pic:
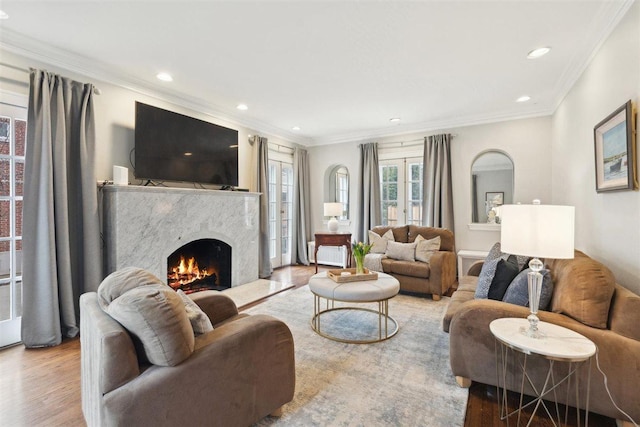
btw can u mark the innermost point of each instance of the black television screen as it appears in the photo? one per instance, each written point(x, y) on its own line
point(173, 147)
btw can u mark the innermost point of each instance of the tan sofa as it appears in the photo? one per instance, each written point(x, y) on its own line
point(435, 277)
point(585, 299)
point(237, 374)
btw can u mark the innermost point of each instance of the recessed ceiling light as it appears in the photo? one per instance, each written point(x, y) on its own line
point(537, 53)
point(523, 98)
point(165, 77)
point(296, 128)
point(242, 107)
point(188, 153)
point(4, 15)
point(394, 119)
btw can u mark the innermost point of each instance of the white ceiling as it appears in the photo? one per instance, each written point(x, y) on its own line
point(339, 70)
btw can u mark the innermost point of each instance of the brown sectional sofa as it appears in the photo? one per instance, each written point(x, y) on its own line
point(585, 299)
point(435, 277)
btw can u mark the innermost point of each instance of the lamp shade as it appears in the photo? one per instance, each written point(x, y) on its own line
point(333, 209)
point(541, 231)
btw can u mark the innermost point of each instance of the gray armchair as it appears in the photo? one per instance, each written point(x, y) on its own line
point(238, 373)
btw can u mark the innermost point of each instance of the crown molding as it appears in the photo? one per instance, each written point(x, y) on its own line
point(615, 11)
point(429, 126)
point(30, 48)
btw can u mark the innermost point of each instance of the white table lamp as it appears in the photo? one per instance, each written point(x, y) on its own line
point(539, 231)
point(333, 210)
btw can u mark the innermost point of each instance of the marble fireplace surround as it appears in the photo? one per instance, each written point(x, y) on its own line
point(142, 226)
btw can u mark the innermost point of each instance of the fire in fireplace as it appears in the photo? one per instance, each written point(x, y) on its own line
point(200, 265)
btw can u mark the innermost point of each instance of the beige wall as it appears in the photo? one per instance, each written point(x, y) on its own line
point(607, 224)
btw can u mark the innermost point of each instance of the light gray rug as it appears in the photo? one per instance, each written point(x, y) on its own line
point(404, 381)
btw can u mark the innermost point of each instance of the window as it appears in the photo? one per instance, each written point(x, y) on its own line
point(280, 207)
point(401, 191)
point(13, 132)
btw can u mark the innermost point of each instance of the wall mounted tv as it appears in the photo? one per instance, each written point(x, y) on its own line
point(173, 147)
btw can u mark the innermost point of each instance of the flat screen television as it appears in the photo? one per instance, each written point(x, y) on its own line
point(174, 147)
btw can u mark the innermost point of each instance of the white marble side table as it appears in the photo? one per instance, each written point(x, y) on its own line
point(557, 345)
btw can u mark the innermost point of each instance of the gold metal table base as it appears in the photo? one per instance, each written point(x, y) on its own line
point(382, 312)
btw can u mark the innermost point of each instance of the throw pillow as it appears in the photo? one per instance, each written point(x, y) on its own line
point(494, 252)
point(401, 251)
point(584, 288)
point(518, 291)
point(200, 322)
point(486, 277)
point(123, 280)
point(158, 319)
point(378, 242)
point(506, 271)
point(426, 248)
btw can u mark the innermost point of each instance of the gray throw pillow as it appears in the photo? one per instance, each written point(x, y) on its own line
point(518, 290)
point(401, 251)
point(486, 277)
point(158, 319)
point(200, 322)
point(123, 280)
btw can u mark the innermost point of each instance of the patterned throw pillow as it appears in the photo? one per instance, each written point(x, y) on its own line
point(200, 322)
point(426, 248)
point(488, 271)
point(518, 290)
point(401, 251)
point(380, 242)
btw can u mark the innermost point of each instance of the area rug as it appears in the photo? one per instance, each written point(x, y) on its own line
point(403, 381)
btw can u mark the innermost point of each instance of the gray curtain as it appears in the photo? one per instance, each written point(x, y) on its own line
point(261, 150)
point(369, 205)
point(61, 242)
point(301, 209)
point(437, 203)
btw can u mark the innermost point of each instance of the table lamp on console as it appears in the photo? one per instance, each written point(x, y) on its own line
point(538, 231)
point(333, 210)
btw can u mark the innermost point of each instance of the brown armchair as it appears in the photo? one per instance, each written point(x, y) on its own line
point(238, 373)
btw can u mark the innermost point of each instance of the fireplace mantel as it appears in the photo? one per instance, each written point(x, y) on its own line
point(142, 226)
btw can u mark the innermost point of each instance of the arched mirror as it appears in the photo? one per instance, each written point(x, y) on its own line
point(491, 185)
point(337, 188)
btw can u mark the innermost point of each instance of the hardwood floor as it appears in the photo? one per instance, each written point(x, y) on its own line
point(41, 387)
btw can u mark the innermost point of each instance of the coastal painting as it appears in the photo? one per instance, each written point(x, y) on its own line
point(613, 137)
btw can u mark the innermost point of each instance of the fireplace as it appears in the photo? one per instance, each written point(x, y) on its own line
point(145, 226)
point(200, 265)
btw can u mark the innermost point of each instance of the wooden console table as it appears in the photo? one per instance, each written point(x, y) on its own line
point(333, 239)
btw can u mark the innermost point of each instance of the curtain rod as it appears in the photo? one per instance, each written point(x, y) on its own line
point(411, 142)
point(24, 70)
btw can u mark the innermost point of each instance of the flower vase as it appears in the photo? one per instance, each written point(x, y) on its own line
point(359, 263)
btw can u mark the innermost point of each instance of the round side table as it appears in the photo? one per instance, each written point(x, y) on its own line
point(557, 345)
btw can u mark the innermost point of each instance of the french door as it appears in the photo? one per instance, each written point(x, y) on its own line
point(401, 191)
point(13, 134)
point(280, 211)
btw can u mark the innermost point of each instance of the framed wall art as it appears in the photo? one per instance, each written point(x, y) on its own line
point(615, 151)
point(496, 197)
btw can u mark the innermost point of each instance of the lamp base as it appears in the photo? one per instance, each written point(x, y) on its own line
point(534, 281)
point(333, 224)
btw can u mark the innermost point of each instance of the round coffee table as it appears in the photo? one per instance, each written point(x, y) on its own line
point(366, 291)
